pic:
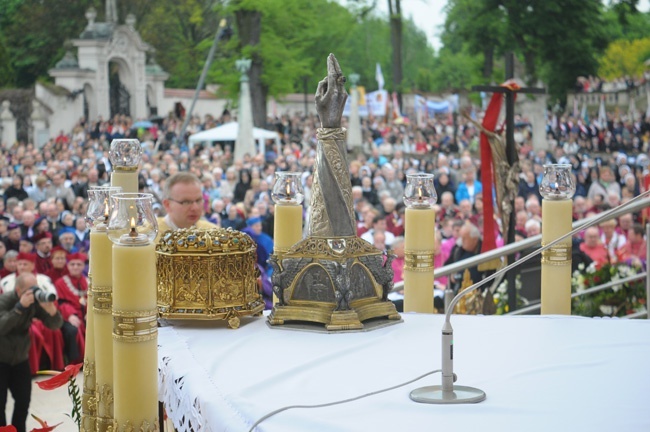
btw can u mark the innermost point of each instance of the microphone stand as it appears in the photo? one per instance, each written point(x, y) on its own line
point(448, 393)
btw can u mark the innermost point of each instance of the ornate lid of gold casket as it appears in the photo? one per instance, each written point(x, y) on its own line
point(207, 274)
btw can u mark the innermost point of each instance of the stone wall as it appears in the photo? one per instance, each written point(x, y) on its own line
point(21, 108)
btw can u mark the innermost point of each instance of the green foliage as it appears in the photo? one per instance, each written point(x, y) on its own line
point(637, 25)
point(182, 33)
point(456, 71)
point(35, 32)
point(556, 41)
point(625, 58)
point(7, 73)
point(369, 40)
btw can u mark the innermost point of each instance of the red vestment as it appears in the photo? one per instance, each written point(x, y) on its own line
point(72, 294)
point(43, 264)
point(54, 273)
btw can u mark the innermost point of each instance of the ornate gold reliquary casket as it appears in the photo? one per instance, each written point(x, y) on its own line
point(207, 274)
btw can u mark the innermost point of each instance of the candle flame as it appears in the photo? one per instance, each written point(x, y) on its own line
point(106, 208)
point(133, 232)
point(288, 189)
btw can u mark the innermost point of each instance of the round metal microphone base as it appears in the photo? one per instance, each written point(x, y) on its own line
point(435, 395)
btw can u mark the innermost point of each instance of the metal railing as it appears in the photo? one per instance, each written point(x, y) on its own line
point(636, 204)
point(592, 290)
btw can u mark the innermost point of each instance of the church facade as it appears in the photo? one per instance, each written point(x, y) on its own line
point(112, 73)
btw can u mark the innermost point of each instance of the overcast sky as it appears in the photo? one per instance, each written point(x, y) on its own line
point(429, 15)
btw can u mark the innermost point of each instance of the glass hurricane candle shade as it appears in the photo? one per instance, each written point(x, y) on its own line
point(419, 191)
point(132, 221)
point(558, 182)
point(287, 188)
point(99, 204)
point(125, 154)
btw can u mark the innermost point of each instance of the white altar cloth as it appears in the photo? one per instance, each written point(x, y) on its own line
point(539, 374)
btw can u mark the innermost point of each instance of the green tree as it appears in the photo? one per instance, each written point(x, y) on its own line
point(636, 25)
point(7, 74)
point(557, 41)
point(282, 55)
point(181, 33)
point(473, 24)
point(624, 58)
point(456, 71)
point(36, 31)
point(418, 59)
point(367, 44)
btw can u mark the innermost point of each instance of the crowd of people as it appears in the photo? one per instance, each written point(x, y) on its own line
point(45, 194)
point(593, 84)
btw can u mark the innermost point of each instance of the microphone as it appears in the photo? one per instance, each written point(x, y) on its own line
point(448, 393)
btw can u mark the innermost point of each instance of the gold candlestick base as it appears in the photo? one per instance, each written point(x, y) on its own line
point(337, 282)
point(88, 423)
point(105, 424)
point(145, 426)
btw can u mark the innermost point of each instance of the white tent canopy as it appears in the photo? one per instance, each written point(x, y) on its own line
point(228, 132)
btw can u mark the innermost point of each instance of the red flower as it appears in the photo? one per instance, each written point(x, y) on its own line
point(597, 279)
point(44, 426)
point(9, 428)
point(61, 378)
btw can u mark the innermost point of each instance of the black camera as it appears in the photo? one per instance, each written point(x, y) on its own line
point(43, 296)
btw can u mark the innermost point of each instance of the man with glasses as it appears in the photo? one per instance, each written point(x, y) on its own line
point(183, 203)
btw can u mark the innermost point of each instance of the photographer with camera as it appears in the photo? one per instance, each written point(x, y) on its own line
point(17, 309)
point(45, 341)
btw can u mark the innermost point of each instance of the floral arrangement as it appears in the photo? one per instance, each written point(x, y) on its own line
point(619, 300)
point(501, 296)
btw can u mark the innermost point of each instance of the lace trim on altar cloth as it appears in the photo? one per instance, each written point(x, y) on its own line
point(186, 388)
point(184, 412)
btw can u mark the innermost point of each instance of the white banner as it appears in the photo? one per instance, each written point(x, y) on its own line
point(375, 104)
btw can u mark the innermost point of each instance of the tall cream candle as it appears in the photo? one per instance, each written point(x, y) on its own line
point(89, 401)
point(287, 227)
point(419, 241)
point(127, 180)
point(556, 261)
point(135, 336)
point(101, 270)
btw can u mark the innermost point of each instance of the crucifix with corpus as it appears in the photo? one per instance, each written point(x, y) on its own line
point(500, 164)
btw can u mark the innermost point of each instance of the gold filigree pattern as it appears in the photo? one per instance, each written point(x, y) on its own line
point(557, 255)
point(319, 247)
point(92, 405)
point(105, 399)
point(135, 326)
point(418, 261)
point(88, 423)
point(89, 375)
point(209, 281)
point(198, 241)
point(103, 301)
point(124, 168)
point(105, 424)
point(145, 426)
